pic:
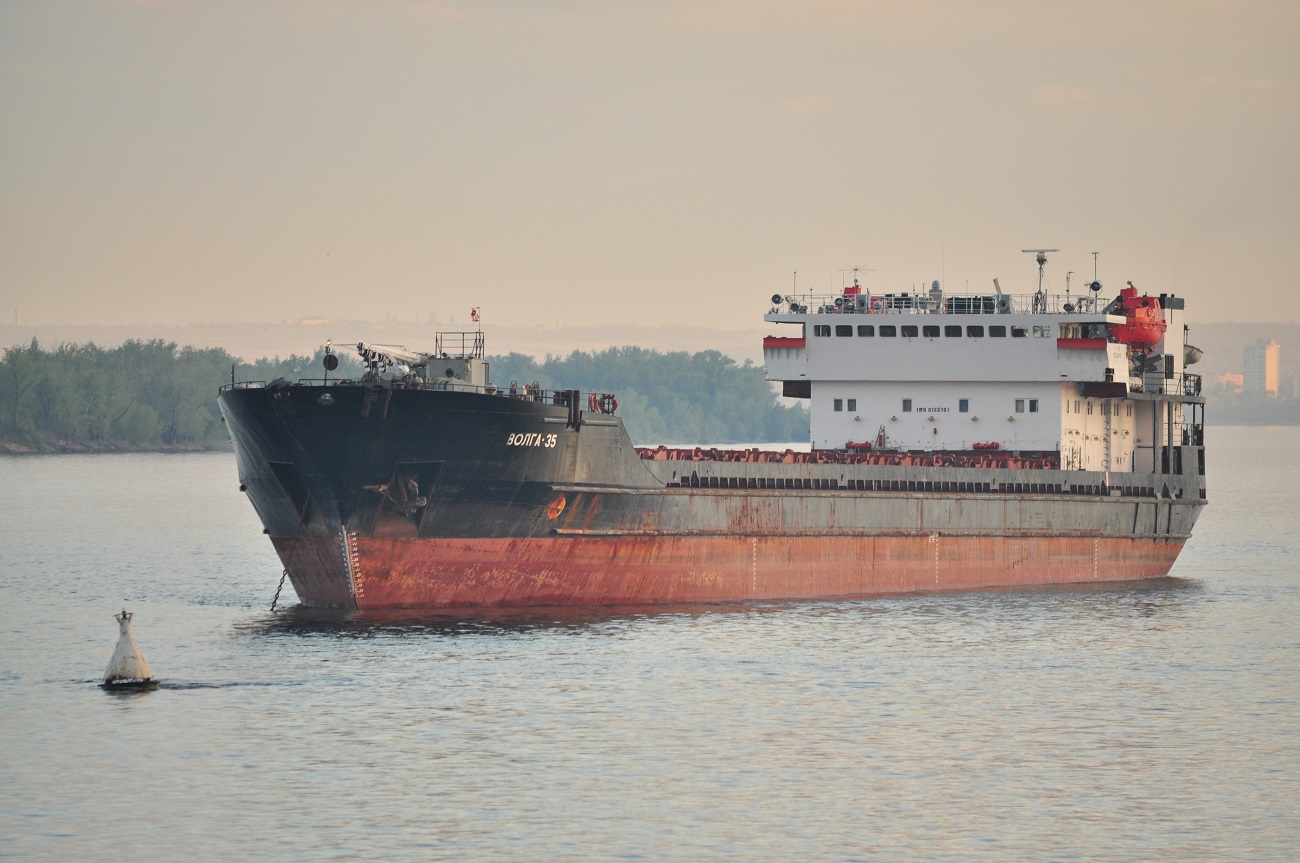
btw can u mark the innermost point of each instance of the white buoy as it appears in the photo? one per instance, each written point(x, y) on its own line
point(127, 669)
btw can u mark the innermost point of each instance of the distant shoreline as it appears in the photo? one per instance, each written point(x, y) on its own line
point(10, 448)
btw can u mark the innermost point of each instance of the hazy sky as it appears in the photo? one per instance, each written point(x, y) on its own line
point(587, 161)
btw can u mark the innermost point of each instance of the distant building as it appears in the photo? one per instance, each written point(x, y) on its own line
point(1231, 382)
point(1260, 375)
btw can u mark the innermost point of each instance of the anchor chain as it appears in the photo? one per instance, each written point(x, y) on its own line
point(283, 576)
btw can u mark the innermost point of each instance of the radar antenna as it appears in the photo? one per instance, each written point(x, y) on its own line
point(855, 270)
point(1040, 299)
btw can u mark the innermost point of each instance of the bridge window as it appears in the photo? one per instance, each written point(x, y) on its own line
point(821, 329)
point(931, 331)
point(843, 330)
point(975, 331)
point(853, 405)
point(909, 331)
point(1020, 406)
point(866, 329)
point(839, 404)
point(1033, 406)
point(1019, 332)
point(952, 331)
point(907, 406)
point(963, 406)
point(888, 331)
point(1042, 332)
point(997, 332)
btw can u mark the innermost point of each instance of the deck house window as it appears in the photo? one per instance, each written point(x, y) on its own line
point(931, 331)
point(909, 331)
point(853, 405)
point(839, 404)
point(843, 330)
point(1019, 332)
point(1020, 406)
point(952, 331)
point(975, 331)
point(888, 331)
point(997, 331)
point(1033, 406)
point(907, 406)
point(866, 329)
point(963, 406)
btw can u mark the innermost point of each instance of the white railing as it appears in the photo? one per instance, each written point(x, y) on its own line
point(953, 304)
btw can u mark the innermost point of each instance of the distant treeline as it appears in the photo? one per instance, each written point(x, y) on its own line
point(1228, 408)
point(152, 395)
point(669, 398)
point(144, 395)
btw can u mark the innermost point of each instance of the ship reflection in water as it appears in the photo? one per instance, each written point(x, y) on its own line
point(1148, 598)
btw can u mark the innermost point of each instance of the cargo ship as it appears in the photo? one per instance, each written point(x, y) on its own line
point(958, 441)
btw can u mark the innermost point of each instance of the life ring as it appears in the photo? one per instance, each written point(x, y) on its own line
point(876, 306)
point(608, 404)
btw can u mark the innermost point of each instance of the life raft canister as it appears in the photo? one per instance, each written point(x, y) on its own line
point(1144, 325)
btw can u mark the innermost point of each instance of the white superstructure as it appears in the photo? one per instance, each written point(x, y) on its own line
point(1102, 384)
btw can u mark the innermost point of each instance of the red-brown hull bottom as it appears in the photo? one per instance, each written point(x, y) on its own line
point(460, 573)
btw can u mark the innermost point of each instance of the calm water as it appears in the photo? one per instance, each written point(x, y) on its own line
point(1157, 721)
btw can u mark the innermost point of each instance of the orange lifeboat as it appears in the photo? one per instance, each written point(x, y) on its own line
point(1144, 324)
